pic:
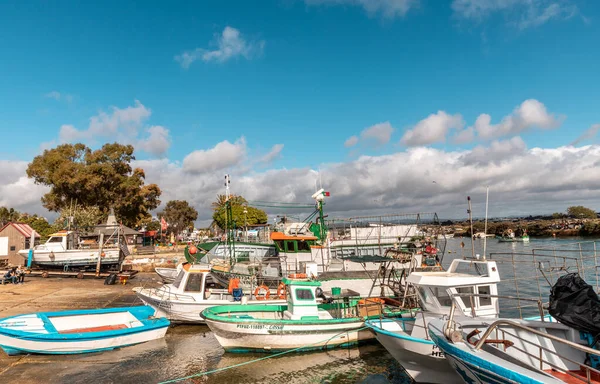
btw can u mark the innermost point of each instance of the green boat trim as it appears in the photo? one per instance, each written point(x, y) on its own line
point(226, 314)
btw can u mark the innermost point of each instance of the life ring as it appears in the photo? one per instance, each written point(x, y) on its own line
point(431, 250)
point(281, 291)
point(265, 295)
point(297, 276)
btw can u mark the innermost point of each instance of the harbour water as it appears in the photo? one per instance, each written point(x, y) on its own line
point(188, 350)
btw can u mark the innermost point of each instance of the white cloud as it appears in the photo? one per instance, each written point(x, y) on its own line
point(273, 154)
point(230, 44)
point(59, 96)
point(158, 141)
point(590, 133)
point(521, 181)
point(18, 191)
point(387, 8)
point(521, 13)
point(351, 141)
point(432, 129)
point(221, 156)
point(531, 113)
point(125, 125)
point(380, 134)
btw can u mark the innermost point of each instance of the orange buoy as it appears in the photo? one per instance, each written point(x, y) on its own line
point(192, 250)
point(281, 290)
point(262, 292)
point(297, 276)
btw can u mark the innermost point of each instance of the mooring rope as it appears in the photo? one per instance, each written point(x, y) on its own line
point(256, 360)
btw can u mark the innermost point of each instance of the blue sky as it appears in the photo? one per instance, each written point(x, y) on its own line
point(293, 81)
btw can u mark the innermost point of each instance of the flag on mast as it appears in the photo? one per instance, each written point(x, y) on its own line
point(163, 224)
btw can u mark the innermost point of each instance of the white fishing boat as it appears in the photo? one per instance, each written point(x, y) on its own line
point(302, 323)
point(63, 249)
point(193, 291)
point(406, 338)
point(537, 350)
point(80, 331)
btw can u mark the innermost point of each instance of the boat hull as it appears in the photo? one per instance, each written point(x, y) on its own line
point(421, 358)
point(81, 331)
point(482, 367)
point(184, 308)
point(73, 258)
point(281, 336)
point(16, 347)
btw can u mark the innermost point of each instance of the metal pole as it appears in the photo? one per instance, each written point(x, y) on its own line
point(471, 221)
point(487, 195)
point(101, 241)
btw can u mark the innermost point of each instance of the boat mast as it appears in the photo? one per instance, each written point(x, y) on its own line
point(471, 221)
point(487, 196)
point(229, 223)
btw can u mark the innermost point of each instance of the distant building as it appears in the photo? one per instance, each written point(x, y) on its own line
point(13, 238)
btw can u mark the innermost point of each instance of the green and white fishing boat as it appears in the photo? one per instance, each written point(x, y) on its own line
point(312, 319)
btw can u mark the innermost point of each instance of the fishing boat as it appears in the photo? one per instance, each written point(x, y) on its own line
point(80, 331)
point(193, 290)
point(509, 236)
point(310, 247)
point(406, 338)
point(555, 348)
point(302, 323)
point(63, 249)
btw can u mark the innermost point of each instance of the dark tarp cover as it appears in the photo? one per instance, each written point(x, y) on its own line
point(573, 302)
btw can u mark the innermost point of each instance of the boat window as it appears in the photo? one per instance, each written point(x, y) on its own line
point(279, 244)
point(194, 283)
point(304, 294)
point(443, 297)
point(426, 295)
point(289, 246)
point(55, 240)
point(467, 292)
point(303, 246)
point(177, 281)
point(484, 290)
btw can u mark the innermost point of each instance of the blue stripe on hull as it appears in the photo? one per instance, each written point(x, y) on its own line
point(14, 351)
point(475, 368)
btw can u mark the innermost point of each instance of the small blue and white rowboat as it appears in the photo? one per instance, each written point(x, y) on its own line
point(80, 331)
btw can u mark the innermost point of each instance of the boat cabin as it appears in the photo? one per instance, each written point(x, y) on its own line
point(463, 277)
point(301, 298)
point(193, 279)
point(59, 241)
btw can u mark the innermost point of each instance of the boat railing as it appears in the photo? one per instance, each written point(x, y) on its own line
point(498, 327)
point(531, 275)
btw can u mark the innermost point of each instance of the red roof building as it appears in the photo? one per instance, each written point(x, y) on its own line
point(13, 238)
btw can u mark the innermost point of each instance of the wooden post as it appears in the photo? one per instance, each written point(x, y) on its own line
point(101, 246)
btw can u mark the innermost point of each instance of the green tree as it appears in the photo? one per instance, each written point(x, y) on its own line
point(82, 218)
point(8, 215)
point(179, 215)
point(38, 223)
point(102, 178)
point(581, 212)
point(242, 213)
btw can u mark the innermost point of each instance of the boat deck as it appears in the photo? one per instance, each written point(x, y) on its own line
point(575, 377)
point(102, 328)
